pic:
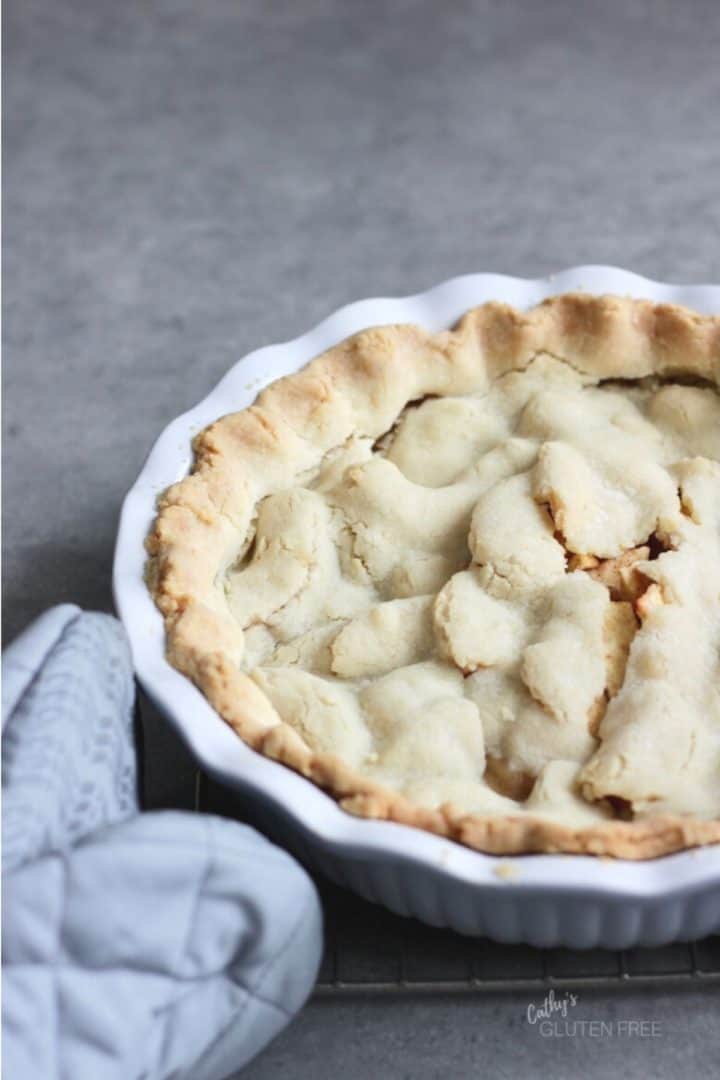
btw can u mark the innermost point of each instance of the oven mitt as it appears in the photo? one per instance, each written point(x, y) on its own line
point(135, 945)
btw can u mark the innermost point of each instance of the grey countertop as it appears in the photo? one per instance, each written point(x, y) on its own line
point(185, 181)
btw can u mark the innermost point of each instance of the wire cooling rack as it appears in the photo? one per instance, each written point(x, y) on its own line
point(368, 950)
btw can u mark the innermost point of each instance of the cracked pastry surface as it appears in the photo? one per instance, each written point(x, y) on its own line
point(471, 581)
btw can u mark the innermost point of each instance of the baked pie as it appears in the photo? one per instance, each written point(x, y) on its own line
point(470, 581)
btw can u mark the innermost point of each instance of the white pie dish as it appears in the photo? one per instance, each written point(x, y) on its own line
point(547, 900)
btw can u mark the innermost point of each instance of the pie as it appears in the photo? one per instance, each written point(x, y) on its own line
point(470, 581)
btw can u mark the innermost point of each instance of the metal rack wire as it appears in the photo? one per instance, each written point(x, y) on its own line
point(368, 950)
point(375, 953)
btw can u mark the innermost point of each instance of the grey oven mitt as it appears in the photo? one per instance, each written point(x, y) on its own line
point(135, 945)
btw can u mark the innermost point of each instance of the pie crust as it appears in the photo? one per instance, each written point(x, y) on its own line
point(470, 581)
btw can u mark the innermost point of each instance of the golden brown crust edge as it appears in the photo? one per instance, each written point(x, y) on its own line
point(362, 384)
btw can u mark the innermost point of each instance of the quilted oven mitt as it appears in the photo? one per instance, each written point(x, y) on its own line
point(135, 945)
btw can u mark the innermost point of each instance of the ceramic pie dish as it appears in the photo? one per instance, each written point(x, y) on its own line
point(659, 525)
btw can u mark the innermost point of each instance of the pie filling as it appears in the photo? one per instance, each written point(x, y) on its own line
point(510, 602)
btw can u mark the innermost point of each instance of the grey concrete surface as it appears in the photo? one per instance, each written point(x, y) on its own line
point(185, 181)
point(491, 1039)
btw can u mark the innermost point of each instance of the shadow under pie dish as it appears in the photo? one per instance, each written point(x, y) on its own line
point(470, 581)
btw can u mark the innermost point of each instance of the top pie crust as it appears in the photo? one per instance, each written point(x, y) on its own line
point(470, 581)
